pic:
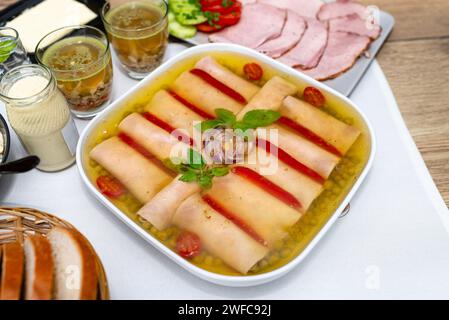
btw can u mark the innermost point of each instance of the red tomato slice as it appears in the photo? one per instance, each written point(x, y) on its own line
point(188, 245)
point(229, 19)
point(253, 71)
point(206, 3)
point(110, 187)
point(235, 7)
point(314, 97)
point(207, 28)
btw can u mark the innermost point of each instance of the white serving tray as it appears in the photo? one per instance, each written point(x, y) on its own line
point(346, 82)
point(236, 281)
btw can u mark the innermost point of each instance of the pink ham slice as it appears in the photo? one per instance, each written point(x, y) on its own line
point(219, 236)
point(226, 76)
point(338, 9)
point(354, 24)
point(291, 34)
point(333, 131)
point(154, 139)
point(300, 186)
point(304, 151)
point(259, 23)
point(160, 210)
point(173, 112)
point(266, 215)
point(341, 53)
point(307, 53)
point(305, 8)
point(141, 177)
point(203, 95)
point(270, 96)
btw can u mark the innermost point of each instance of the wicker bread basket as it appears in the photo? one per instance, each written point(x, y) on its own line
point(17, 223)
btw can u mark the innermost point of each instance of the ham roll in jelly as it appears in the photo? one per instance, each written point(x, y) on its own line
point(224, 75)
point(333, 131)
point(219, 236)
point(160, 210)
point(140, 176)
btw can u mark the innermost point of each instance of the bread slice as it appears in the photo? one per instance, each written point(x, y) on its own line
point(12, 271)
point(75, 272)
point(38, 268)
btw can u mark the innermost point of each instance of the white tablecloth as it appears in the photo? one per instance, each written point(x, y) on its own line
point(393, 244)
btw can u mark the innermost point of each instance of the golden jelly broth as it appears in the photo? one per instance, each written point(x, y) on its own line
point(300, 235)
point(83, 69)
point(139, 45)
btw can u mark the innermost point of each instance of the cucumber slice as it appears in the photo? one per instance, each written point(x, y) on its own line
point(178, 30)
point(190, 18)
point(182, 6)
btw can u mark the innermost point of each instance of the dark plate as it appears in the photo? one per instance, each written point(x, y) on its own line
point(16, 9)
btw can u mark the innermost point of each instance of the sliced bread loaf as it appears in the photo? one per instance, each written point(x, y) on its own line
point(38, 268)
point(75, 266)
point(12, 271)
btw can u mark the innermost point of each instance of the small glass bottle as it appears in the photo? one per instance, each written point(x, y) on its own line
point(12, 53)
point(40, 115)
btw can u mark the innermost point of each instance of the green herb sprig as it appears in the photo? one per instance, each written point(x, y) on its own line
point(252, 120)
point(6, 49)
point(195, 170)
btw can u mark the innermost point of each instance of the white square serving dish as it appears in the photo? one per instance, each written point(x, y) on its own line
point(234, 281)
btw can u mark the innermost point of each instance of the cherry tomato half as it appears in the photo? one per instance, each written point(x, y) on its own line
point(314, 97)
point(188, 245)
point(253, 71)
point(110, 187)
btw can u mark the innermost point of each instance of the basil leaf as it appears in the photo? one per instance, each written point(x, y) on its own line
point(190, 176)
point(205, 182)
point(195, 160)
point(260, 118)
point(220, 171)
point(226, 116)
point(6, 49)
point(208, 124)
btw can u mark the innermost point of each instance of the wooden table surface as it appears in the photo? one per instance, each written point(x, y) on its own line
point(415, 60)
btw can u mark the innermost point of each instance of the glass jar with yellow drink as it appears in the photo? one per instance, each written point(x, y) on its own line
point(138, 31)
point(80, 59)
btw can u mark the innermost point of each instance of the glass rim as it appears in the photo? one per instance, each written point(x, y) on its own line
point(28, 66)
point(74, 27)
point(15, 37)
point(103, 18)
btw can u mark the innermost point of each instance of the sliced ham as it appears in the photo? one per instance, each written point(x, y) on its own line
point(304, 151)
point(333, 131)
point(160, 210)
point(341, 53)
point(141, 177)
point(219, 236)
point(307, 53)
point(259, 23)
point(226, 76)
point(170, 110)
point(270, 220)
point(300, 186)
point(291, 34)
point(305, 8)
point(270, 96)
point(354, 24)
point(338, 9)
point(203, 95)
point(157, 141)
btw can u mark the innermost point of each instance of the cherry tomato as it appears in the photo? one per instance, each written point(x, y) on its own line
point(110, 187)
point(253, 71)
point(207, 28)
point(314, 97)
point(188, 245)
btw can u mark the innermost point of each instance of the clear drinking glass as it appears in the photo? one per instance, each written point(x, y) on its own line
point(12, 53)
point(80, 59)
point(138, 31)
